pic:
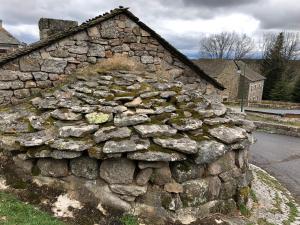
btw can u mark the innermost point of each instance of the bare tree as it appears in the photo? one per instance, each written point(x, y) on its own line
point(291, 48)
point(226, 45)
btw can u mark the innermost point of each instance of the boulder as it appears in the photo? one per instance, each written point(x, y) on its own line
point(225, 163)
point(185, 170)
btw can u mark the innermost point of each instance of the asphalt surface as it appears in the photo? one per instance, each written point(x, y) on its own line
point(280, 156)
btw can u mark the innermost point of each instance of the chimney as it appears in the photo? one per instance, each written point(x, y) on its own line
point(49, 27)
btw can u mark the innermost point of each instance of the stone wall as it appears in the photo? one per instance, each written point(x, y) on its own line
point(48, 66)
point(135, 143)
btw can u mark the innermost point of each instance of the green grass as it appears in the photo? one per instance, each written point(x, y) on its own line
point(15, 212)
point(128, 219)
point(244, 210)
point(292, 215)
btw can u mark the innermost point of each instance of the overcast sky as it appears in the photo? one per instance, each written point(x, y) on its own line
point(181, 22)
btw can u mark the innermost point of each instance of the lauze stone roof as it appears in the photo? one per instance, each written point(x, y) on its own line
point(136, 136)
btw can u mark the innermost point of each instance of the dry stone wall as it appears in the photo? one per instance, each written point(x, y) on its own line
point(46, 67)
point(135, 143)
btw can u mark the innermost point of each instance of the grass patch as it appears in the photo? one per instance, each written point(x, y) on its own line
point(244, 210)
point(13, 212)
point(263, 221)
point(292, 214)
point(271, 120)
point(253, 196)
point(277, 204)
point(269, 181)
point(129, 219)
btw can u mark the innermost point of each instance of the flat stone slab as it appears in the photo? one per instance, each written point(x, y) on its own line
point(98, 118)
point(156, 156)
point(70, 145)
point(155, 130)
point(107, 133)
point(77, 131)
point(131, 190)
point(184, 145)
point(122, 121)
point(186, 124)
point(228, 135)
point(65, 114)
point(131, 145)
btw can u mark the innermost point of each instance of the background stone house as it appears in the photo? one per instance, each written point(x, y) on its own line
point(226, 72)
point(47, 62)
point(7, 41)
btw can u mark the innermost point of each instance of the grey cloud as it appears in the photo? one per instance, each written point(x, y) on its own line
point(219, 3)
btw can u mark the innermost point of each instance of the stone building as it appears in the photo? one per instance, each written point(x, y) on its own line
point(46, 63)
point(7, 41)
point(153, 141)
point(226, 72)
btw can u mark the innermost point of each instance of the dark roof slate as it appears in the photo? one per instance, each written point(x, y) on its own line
point(101, 18)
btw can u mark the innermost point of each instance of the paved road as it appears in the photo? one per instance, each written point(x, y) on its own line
point(280, 156)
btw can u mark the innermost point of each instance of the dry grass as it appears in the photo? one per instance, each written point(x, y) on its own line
point(114, 63)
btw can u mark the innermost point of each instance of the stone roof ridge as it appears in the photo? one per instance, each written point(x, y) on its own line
point(106, 16)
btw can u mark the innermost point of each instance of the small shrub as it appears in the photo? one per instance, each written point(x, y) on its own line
point(128, 219)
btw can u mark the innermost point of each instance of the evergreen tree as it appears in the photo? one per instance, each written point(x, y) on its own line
point(281, 92)
point(296, 91)
point(273, 66)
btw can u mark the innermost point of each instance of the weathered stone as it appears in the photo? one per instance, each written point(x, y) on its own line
point(167, 94)
point(147, 59)
point(53, 167)
point(55, 154)
point(25, 76)
point(184, 145)
point(225, 163)
point(241, 158)
point(29, 64)
point(40, 75)
point(218, 109)
point(96, 50)
point(173, 188)
point(209, 151)
point(144, 165)
point(216, 121)
point(70, 145)
point(77, 131)
point(161, 176)
point(155, 130)
point(132, 145)
point(117, 171)
point(134, 103)
point(54, 66)
point(85, 167)
point(144, 176)
point(35, 139)
point(156, 156)
point(25, 164)
point(9, 143)
point(150, 94)
point(131, 190)
point(8, 75)
point(195, 192)
point(22, 93)
point(65, 114)
point(185, 170)
point(185, 124)
point(81, 50)
point(145, 111)
point(98, 118)
point(228, 135)
point(111, 132)
point(122, 121)
point(165, 109)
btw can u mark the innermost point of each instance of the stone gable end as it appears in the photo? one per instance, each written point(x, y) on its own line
point(48, 66)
